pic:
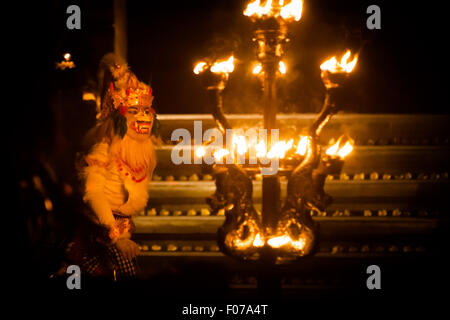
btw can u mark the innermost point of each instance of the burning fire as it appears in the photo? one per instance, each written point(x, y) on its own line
point(280, 241)
point(200, 67)
point(284, 240)
point(345, 150)
point(200, 152)
point(257, 69)
point(219, 154)
point(261, 149)
point(342, 152)
point(255, 8)
point(67, 63)
point(279, 149)
point(292, 10)
point(282, 67)
point(333, 66)
point(240, 143)
point(302, 146)
point(225, 66)
point(258, 242)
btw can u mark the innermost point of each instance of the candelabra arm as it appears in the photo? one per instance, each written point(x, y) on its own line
point(216, 105)
point(234, 188)
point(328, 110)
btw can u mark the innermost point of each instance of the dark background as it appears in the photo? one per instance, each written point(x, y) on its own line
point(400, 68)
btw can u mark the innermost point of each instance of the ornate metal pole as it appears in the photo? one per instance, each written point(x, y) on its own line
point(270, 36)
point(215, 83)
point(289, 233)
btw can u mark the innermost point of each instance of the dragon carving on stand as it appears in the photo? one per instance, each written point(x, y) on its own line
point(296, 229)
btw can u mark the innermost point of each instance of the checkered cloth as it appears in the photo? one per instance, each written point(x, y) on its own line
point(122, 266)
point(117, 266)
point(107, 261)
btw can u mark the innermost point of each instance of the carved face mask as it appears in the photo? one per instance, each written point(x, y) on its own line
point(139, 121)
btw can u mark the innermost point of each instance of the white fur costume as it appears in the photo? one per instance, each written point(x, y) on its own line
point(110, 184)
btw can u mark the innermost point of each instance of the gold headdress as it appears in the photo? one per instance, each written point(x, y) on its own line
point(120, 88)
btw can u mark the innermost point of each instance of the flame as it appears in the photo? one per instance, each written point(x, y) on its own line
point(257, 69)
point(291, 10)
point(333, 149)
point(255, 8)
point(261, 149)
point(200, 152)
point(240, 143)
point(200, 67)
point(283, 240)
point(219, 154)
point(302, 146)
point(282, 67)
point(279, 149)
point(278, 241)
point(341, 152)
point(66, 63)
point(258, 242)
point(345, 150)
point(332, 65)
point(241, 146)
point(226, 66)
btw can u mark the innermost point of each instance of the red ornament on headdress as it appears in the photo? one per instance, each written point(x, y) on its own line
point(128, 92)
point(111, 87)
point(150, 91)
point(123, 109)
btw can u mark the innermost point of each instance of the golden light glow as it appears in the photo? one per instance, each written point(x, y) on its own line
point(226, 66)
point(258, 242)
point(284, 240)
point(279, 149)
point(302, 146)
point(200, 67)
point(291, 10)
point(331, 151)
point(342, 152)
point(345, 150)
point(261, 149)
point(333, 66)
point(242, 244)
point(278, 241)
point(200, 152)
point(66, 63)
point(257, 69)
point(240, 143)
point(255, 8)
point(219, 154)
point(282, 67)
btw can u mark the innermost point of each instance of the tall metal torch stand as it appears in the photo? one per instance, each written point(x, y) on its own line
point(270, 36)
